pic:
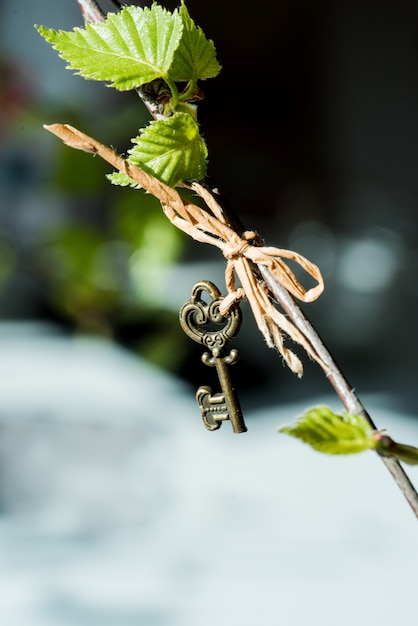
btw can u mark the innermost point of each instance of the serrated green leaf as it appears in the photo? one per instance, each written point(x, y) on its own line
point(131, 48)
point(331, 433)
point(123, 180)
point(195, 58)
point(172, 150)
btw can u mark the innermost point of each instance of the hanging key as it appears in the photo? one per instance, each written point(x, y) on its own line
point(203, 322)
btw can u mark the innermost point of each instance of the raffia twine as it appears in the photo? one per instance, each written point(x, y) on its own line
point(242, 252)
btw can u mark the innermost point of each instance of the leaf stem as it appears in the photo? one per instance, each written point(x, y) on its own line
point(183, 97)
point(174, 92)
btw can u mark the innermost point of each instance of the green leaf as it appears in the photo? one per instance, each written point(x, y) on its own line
point(196, 56)
point(131, 48)
point(123, 180)
point(172, 150)
point(331, 433)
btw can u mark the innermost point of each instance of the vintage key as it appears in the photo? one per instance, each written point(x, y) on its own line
point(203, 322)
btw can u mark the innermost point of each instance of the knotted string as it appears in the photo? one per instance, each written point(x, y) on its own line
point(242, 252)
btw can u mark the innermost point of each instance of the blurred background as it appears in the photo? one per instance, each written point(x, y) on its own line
point(312, 131)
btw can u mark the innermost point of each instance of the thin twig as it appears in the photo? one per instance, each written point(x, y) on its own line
point(91, 11)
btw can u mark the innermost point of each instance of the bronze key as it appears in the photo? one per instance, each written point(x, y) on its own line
point(195, 316)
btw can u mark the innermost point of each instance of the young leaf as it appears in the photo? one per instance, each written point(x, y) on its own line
point(123, 180)
point(172, 150)
point(129, 49)
point(331, 433)
point(196, 56)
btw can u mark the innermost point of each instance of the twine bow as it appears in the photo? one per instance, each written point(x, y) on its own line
point(241, 251)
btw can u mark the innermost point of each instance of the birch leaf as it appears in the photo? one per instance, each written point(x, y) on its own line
point(196, 55)
point(172, 150)
point(331, 433)
point(123, 180)
point(131, 48)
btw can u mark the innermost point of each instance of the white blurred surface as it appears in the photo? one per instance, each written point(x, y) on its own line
point(118, 508)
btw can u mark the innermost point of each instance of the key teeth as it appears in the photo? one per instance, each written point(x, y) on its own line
point(212, 407)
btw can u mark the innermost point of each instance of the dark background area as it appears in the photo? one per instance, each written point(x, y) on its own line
point(313, 137)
